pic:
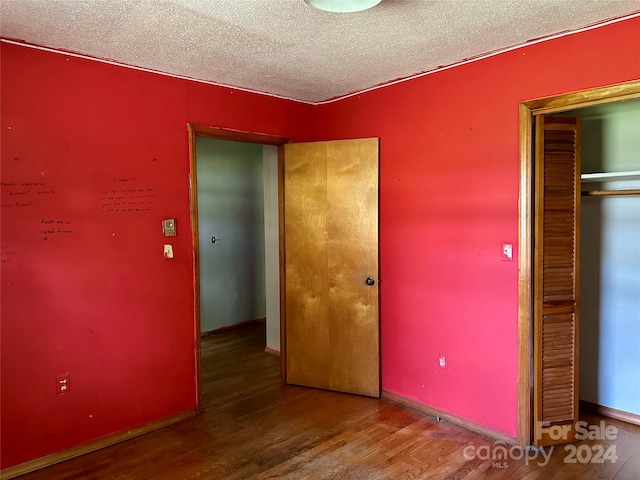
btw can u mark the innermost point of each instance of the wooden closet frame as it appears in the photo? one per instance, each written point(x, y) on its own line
point(217, 133)
point(526, 229)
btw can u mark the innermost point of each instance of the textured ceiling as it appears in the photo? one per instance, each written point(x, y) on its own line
point(287, 48)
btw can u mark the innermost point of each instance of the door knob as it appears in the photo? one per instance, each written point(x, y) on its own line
point(370, 281)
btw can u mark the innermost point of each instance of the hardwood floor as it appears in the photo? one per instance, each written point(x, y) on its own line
point(255, 427)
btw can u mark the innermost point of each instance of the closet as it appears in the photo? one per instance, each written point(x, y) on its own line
point(609, 302)
point(586, 265)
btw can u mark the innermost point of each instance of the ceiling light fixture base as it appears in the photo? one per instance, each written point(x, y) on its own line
point(343, 6)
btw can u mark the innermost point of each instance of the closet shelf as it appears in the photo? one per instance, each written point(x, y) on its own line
point(609, 193)
point(610, 176)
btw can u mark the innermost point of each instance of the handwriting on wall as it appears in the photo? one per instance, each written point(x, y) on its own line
point(7, 253)
point(123, 194)
point(127, 195)
point(18, 195)
point(51, 227)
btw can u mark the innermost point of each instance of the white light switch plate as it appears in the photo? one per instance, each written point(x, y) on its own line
point(168, 251)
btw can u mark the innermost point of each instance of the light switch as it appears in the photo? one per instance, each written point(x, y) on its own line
point(169, 227)
point(168, 251)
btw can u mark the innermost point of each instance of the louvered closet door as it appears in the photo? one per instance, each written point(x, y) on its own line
point(556, 265)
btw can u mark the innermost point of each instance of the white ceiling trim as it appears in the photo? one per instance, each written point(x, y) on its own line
point(334, 99)
point(482, 57)
point(142, 69)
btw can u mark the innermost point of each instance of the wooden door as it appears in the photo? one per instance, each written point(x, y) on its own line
point(556, 271)
point(331, 249)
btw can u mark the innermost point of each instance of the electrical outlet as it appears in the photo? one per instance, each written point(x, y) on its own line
point(443, 361)
point(63, 384)
point(506, 252)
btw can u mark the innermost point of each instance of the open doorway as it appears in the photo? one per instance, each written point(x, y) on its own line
point(232, 231)
point(331, 194)
point(532, 269)
point(235, 234)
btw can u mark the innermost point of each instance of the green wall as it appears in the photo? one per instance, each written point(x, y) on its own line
point(231, 207)
point(610, 137)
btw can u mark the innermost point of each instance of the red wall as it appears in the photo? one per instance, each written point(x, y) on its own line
point(449, 173)
point(103, 304)
point(96, 297)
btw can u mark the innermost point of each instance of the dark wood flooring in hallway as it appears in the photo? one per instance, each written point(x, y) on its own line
point(255, 427)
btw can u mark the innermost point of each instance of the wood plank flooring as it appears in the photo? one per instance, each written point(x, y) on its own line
point(255, 427)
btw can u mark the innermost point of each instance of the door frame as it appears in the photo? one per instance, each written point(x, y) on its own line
point(218, 133)
point(526, 228)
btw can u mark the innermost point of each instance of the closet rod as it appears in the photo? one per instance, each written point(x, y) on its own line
point(609, 193)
